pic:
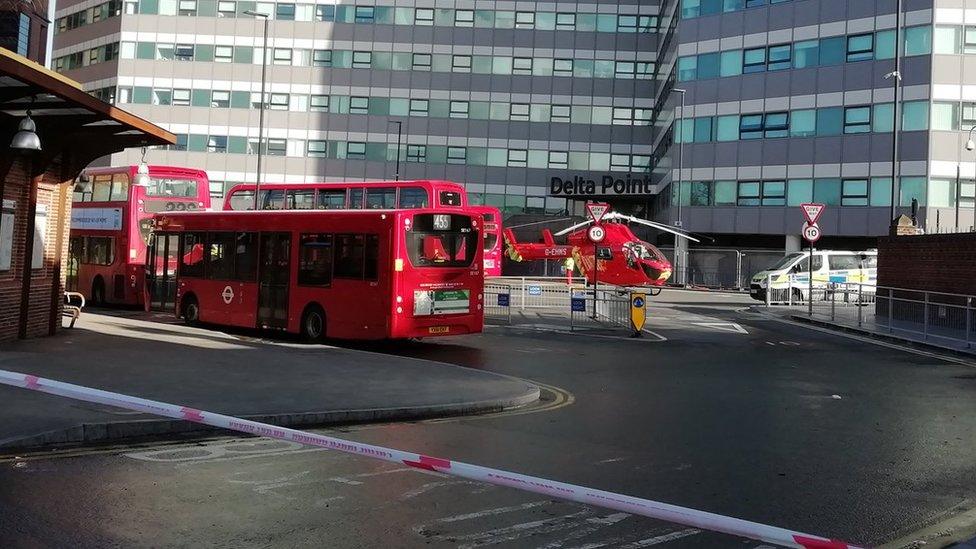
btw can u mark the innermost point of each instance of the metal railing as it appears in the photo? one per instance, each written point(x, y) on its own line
point(724, 268)
point(503, 295)
point(942, 318)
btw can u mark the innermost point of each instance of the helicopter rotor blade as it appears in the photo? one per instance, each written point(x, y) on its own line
point(540, 222)
point(572, 228)
point(659, 226)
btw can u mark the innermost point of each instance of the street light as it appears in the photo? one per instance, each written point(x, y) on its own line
point(895, 75)
point(399, 124)
point(264, 74)
point(679, 252)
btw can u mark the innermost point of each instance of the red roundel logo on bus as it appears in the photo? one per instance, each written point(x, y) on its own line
point(227, 294)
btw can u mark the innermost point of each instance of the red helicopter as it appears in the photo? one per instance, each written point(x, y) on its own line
point(624, 259)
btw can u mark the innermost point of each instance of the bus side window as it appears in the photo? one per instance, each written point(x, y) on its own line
point(242, 200)
point(246, 256)
point(356, 199)
point(102, 188)
point(372, 257)
point(220, 259)
point(331, 199)
point(381, 198)
point(413, 197)
point(191, 254)
point(272, 199)
point(301, 199)
point(120, 187)
point(349, 256)
point(450, 198)
point(315, 260)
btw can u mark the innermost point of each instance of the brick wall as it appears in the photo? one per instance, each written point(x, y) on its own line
point(50, 194)
point(936, 263)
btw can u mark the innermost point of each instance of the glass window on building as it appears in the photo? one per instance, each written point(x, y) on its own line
point(423, 17)
point(524, 20)
point(918, 40)
point(945, 116)
point(162, 97)
point(854, 192)
point(562, 67)
point(753, 60)
point(517, 158)
point(751, 126)
point(830, 121)
point(806, 54)
point(774, 193)
point(708, 66)
point(724, 193)
point(880, 194)
point(459, 109)
point(799, 191)
point(969, 40)
point(909, 188)
point(558, 159)
point(416, 153)
point(968, 115)
point(687, 68)
point(421, 61)
point(561, 113)
point(519, 112)
point(942, 193)
point(947, 40)
point(285, 12)
point(565, 21)
point(281, 56)
point(224, 54)
point(779, 57)
point(857, 119)
point(748, 193)
point(316, 148)
point(181, 98)
point(833, 51)
point(882, 117)
point(358, 105)
point(226, 8)
point(803, 123)
point(522, 65)
point(915, 116)
point(860, 47)
point(217, 144)
point(362, 59)
point(457, 155)
point(727, 128)
point(827, 191)
point(461, 63)
point(776, 124)
point(318, 103)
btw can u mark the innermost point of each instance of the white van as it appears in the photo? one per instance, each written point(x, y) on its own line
point(790, 275)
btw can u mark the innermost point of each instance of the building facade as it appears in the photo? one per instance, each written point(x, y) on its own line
point(537, 105)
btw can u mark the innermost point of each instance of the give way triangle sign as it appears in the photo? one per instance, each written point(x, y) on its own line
point(597, 210)
point(812, 212)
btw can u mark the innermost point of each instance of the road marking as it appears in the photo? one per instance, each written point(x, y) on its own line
point(647, 542)
point(495, 511)
point(595, 523)
point(723, 326)
point(349, 478)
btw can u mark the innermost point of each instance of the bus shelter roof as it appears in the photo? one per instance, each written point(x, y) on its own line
point(71, 124)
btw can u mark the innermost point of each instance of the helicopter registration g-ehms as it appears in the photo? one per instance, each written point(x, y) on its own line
point(625, 260)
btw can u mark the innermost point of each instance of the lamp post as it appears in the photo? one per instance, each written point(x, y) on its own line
point(970, 146)
point(264, 78)
point(679, 253)
point(895, 75)
point(399, 124)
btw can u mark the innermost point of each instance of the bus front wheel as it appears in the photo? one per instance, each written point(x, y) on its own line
point(313, 324)
point(191, 310)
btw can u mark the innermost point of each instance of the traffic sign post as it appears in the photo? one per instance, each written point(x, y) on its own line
point(638, 312)
point(812, 211)
point(596, 233)
point(597, 210)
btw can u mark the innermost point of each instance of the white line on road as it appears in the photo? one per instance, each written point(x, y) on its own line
point(349, 478)
point(647, 542)
point(495, 511)
point(723, 326)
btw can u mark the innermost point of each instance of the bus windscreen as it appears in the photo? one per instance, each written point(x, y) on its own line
point(441, 240)
point(172, 187)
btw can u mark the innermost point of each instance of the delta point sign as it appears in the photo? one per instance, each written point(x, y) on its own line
point(607, 185)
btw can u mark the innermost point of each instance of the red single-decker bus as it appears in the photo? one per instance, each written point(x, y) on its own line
point(492, 218)
point(373, 274)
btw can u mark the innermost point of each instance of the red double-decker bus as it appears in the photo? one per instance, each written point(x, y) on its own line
point(111, 218)
point(373, 274)
point(492, 218)
point(364, 195)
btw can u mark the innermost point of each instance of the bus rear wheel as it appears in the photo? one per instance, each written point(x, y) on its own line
point(191, 311)
point(313, 324)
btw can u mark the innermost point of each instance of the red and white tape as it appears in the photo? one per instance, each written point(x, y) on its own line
point(562, 490)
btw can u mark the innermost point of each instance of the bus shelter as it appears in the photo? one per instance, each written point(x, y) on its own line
point(70, 129)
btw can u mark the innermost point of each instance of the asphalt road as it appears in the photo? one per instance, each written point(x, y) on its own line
point(727, 411)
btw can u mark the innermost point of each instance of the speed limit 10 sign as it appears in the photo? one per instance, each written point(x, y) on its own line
point(596, 234)
point(811, 233)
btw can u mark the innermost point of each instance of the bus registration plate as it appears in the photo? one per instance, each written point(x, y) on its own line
point(439, 330)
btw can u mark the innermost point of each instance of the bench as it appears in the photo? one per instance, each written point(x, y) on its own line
point(71, 310)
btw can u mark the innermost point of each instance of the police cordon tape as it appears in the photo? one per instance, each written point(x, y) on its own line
point(562, 490)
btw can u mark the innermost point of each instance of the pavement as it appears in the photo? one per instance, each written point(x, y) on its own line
point(273, 381)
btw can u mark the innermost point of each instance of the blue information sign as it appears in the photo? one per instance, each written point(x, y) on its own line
point(535, 290)
point(503, 300)
point(578, 304)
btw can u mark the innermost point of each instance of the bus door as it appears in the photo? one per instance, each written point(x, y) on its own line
point(75, 251)
point(161, 260)
point(273, 277)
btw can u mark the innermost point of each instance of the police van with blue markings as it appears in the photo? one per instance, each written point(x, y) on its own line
point(789, 278)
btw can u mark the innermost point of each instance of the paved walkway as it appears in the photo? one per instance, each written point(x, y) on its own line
point(280, 382)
